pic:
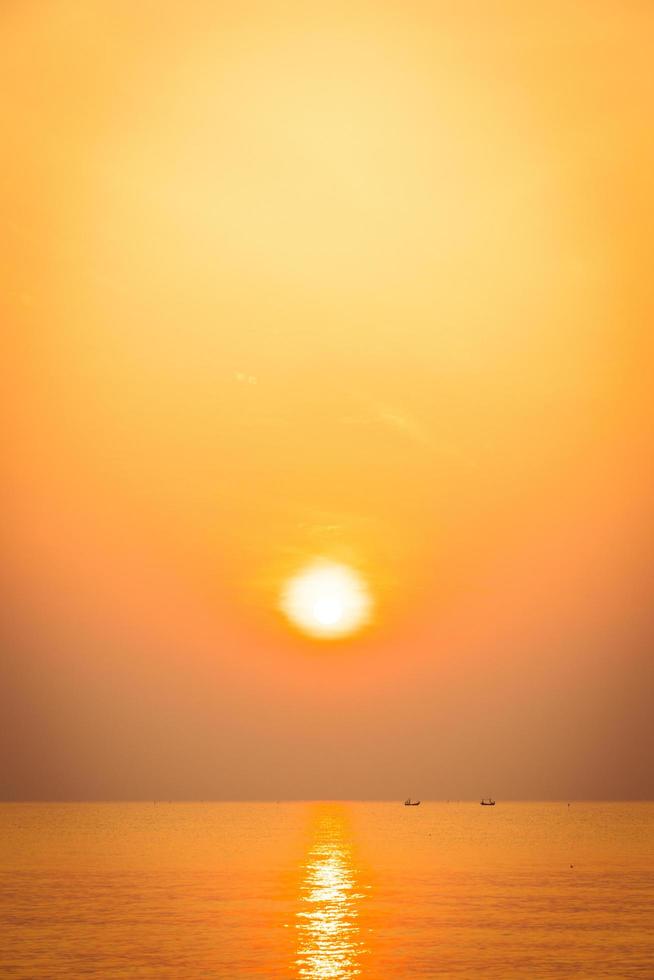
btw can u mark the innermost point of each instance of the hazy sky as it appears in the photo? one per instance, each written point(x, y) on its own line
point(367, 282)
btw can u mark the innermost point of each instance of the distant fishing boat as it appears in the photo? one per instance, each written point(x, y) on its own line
point(411, 802)
point(488, 802)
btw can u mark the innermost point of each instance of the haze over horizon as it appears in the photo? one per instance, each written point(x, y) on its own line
point(336, 283)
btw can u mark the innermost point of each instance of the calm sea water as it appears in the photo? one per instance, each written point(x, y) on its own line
point(327, 890)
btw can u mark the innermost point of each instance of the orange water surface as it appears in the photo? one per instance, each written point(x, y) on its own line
point(327, 890)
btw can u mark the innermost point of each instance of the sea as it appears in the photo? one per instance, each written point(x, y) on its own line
point(321, 890)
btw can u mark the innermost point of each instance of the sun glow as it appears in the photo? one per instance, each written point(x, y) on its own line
point(327, 600)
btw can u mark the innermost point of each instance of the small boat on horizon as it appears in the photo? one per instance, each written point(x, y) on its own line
point(489, 802)
point(410, 802)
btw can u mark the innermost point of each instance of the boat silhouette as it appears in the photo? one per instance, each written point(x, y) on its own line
point(488, 802)
point(410, 802)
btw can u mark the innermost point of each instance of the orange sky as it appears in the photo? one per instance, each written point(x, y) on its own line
point(371, 283)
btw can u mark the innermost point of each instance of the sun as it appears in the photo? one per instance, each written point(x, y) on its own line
point(327, 600)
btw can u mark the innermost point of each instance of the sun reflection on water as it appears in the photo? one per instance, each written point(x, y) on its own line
point(329, 935)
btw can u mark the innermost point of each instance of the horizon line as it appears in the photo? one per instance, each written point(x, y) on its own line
point(318, 799)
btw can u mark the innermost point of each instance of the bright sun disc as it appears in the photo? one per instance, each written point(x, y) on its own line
point(327, 600)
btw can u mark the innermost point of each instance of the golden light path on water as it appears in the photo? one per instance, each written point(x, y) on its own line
point(329, 933)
